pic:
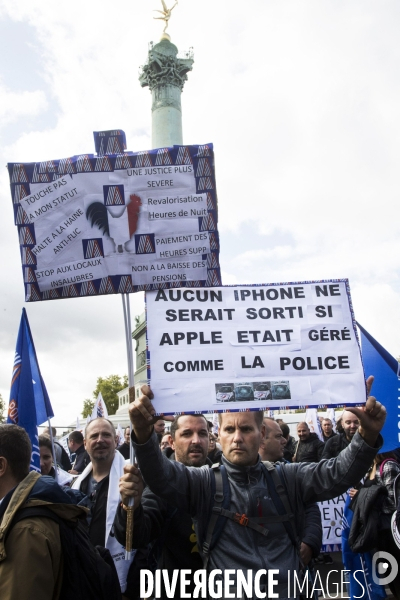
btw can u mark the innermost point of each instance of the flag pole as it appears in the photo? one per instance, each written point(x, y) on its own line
point(129, 353)
point(53, 450)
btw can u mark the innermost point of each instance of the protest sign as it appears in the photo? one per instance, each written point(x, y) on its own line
point(253, 347)
point(118, 223)
point(331, 517)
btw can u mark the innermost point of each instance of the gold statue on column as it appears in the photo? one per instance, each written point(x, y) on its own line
point(166, 14)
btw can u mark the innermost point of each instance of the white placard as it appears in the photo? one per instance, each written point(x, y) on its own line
point(253, 347)
point(102, 229)
point(331, 517)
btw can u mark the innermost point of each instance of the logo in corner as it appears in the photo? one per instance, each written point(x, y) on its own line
point(384, 568)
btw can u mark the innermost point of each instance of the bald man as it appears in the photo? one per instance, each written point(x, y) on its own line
point(336, 444)
point(309, 447)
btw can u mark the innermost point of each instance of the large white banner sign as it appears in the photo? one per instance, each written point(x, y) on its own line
point(253, 347)
point(120, 223)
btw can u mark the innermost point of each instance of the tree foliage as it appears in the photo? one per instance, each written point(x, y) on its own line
point(88, 406)
point(2, 409)
point(108, 387)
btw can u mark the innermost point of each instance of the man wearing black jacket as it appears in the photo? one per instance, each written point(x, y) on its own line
point(172, 533)
point(272, 448)
point(125, 448)
point(336, 444)
point(77, 447)
point(175, 542)
point(290, 446)
point(327, 429)
point(309, 447)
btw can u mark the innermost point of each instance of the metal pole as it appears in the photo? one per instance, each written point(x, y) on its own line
point(129, 352)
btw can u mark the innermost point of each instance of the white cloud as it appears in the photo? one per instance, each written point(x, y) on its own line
point(14, 105)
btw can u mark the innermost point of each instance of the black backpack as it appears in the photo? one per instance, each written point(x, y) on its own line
point(89, 572)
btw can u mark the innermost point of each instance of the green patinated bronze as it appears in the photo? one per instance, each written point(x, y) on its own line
point(165, 75)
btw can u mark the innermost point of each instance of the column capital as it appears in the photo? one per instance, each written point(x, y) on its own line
point(164, 68)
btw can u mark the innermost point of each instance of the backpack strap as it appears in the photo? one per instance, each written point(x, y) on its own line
point(35, 511)
point(279, 495)
point(278, 492)
point(220, 497)
point(251, 522)
point(41, 511)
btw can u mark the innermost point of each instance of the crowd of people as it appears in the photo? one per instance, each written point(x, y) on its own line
point(243, 499)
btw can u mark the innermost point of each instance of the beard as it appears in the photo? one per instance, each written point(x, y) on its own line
point(102, 454)
point(192, 461)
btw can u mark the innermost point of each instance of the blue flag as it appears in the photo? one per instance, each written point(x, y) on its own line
point(29, 402)
point(385, 368)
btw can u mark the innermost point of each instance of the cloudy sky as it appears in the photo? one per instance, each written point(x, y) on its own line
point(301, 100)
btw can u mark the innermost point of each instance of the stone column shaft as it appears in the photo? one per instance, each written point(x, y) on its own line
point(165, 74)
